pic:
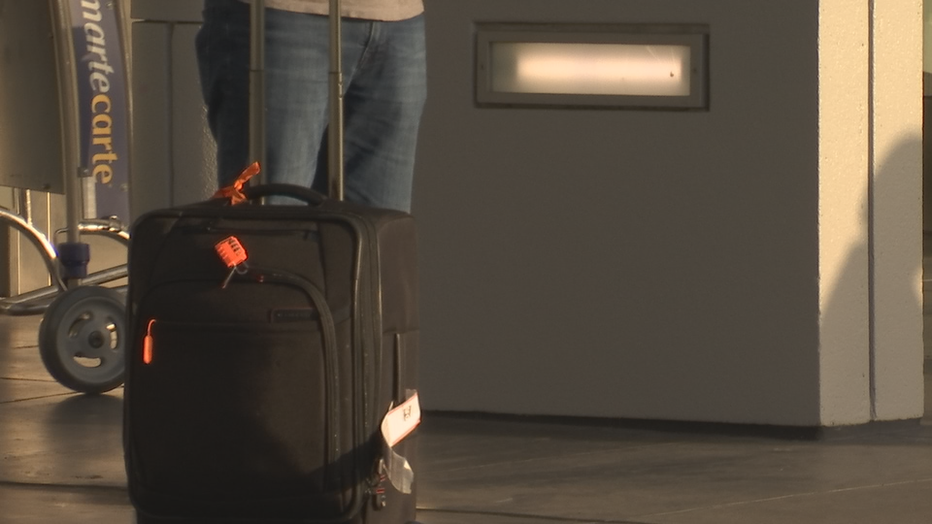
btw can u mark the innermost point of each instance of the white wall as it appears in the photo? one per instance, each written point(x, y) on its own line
point(627, 264)
point(663, 265)
point(173, 154)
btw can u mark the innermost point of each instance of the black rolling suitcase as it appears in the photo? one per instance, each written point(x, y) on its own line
point(271, 374)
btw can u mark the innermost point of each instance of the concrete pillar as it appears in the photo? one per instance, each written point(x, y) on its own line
point(896, 210)
point(870, 213)
point(844, 143)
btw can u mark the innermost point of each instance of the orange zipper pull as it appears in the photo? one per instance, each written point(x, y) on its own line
point(147, 344)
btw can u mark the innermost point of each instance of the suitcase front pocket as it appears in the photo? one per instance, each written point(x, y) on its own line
point(236, 408)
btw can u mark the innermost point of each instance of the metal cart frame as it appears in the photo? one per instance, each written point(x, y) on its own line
point(82, 335)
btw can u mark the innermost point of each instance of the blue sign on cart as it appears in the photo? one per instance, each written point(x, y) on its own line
point(102, 94)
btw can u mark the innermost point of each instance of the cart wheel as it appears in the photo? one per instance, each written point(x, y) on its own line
point(82, 339)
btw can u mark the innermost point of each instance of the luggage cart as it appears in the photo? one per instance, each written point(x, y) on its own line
point(64, 129)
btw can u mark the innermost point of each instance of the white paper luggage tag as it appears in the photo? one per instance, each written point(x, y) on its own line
point(401, 421)
point(398, 424)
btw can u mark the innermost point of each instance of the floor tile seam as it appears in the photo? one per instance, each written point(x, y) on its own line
point(39, 486)
point(43, 397)
point(553, 457)
point(525, 516)
point(788, 497)
point(24, 379)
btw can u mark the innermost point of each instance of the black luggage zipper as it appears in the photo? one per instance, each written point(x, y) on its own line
point(368, 312)
point(370, 304)
point(364, 315)
point(332, 384)
point(356, 504)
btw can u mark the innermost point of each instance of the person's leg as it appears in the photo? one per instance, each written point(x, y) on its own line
point(295, 82)
point(222, 48)
point(384, 100)
point(385, 83)
point(297, 65)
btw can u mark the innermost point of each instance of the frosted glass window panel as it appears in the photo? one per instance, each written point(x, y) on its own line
point(605, 66)
point(591, 69)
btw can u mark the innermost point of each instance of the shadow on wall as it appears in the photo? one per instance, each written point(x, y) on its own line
point(871, 353)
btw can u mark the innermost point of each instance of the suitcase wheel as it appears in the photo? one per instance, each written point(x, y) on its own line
point(82, 339)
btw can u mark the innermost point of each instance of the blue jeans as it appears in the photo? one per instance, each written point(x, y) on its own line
point(385, 85)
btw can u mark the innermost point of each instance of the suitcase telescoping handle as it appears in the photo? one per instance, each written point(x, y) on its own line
point(257, 137)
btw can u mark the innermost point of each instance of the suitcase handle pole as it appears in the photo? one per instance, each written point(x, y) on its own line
point(335, 130)
point(257, 87)
point(257, 135)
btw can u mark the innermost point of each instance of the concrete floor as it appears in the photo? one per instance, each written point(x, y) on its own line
point(61, 463)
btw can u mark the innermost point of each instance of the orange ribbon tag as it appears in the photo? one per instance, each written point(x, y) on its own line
point(234, 191)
